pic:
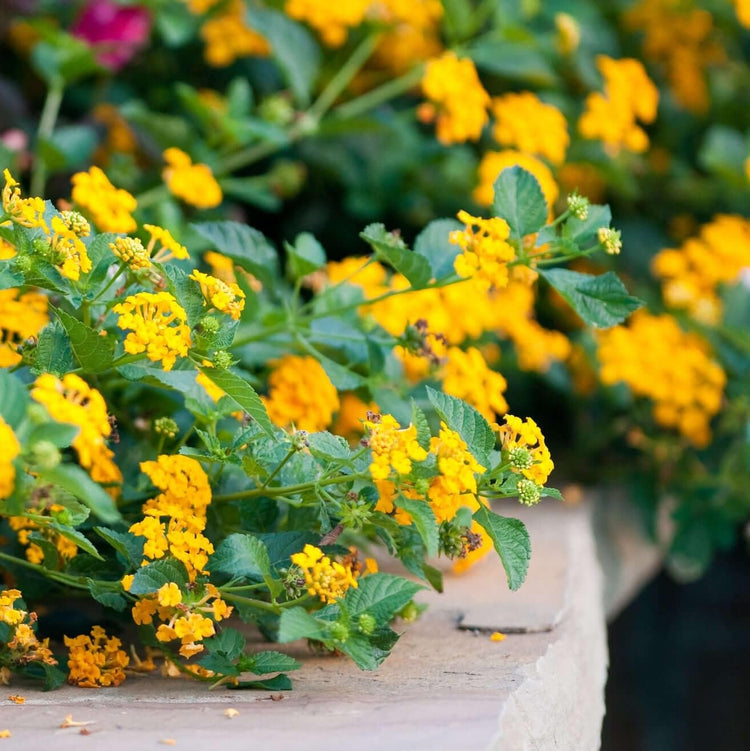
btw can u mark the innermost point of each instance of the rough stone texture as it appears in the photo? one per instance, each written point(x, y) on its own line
point(443, 689)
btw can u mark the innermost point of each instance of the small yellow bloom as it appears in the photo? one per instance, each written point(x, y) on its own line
point(194, 183)
point(485, 251)
point(169, 595)
point(225, 297)
point(331, 20)
point(28, 212)
point(110, 208)
point(324, 579)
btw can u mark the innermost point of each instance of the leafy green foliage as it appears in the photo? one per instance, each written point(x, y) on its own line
point(511, 541)
point(391, 249)
point(520, 201)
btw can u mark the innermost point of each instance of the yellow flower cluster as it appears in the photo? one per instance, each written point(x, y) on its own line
point(66, 549)
point(10, 448)
point(742, 8)
point(110, 208)
point(22, 316)
point(456, 485)
point(28, 212)
point(189, 618)
point(164, 244)
point(680, 38)
point(691, 274)
point(524, 445)
point(131, 252)
point(193, 183)
point(22, 646)
point(457, 99)
point(158, 327)
point(686, 387)
point(331, 20)
point(71, 400)
point(467, 376)
point(225, 297)
point(69, 254)
point(96, 660)
point(494, 162)
point(485, 250)
point(525, 122)
point(300, 394)
point(324, 579)
point(228, 37)
point(174, 520)
point(629, 96)
point(393, 448)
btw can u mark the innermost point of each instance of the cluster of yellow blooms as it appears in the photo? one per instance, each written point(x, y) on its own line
point(158, 327)
point(71, 400)
point(467, 376)
point(25, 527)
point(742, 8)
point(22, 643)
point(174, 520)
point(691, 274)
point(523, 443)
point(456, 485)
point(686, 387)
point(226, 297)
point(458, 100)
point(28, 212)
point(226, 34)
point(183, 617)
point(393, 448)
point(325, 579)
point(111, 209)
point(629, 96)
point(300, 394)
point(10, 448)
point(494, 162)
point(485, 251)
point(22, 316)
point(131, 252)
point(331, 20)
point(193, 183)
point(680, 38)
point(96, 660)
point(525, 122)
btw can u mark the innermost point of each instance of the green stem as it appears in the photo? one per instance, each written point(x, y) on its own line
point(152, 196)
point(116, 276)
point(381, 94)
point(279, 467)
point(71, 581)
point(47, 122)
point(288, 490)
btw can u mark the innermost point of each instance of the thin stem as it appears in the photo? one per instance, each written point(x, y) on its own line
point(280, 465)
point(116, 275)
point(152, 196)
point(48, 573)
point(288, 490)
point(47, 122)
point(381, 94)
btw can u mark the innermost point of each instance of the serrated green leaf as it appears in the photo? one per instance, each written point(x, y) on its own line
point(77, 482)
point(243, 395)
point(95, 353)
point(391, 249)
point(130, 546)
point(241, 555)
point(228, 642)
point(433, 242)
point(77, 538)
point(156, 574)
point(108, 594)
point(467, 422)
point(364, 653)
point(187, 292)
point(552, 493)
point(380, 595)
point(246, 246)
point(13, 399)
point(53, 353)
point(583, 232)
point(423, 518)
point(511, 541)
point(520, 201)
point(297, 623)
point(305, 256)
point(601, 301)
point(270, 661)
point(325, 445)
point(419, 421)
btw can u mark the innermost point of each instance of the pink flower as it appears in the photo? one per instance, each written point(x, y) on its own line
point(115, 32)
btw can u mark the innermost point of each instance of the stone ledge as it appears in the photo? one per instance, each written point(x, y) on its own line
point(444, 688)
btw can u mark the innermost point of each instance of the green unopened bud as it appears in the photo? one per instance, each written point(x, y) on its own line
point(40, 245)
point(410, 612)
point(45, 455)
point(451, 540)
point(520, 458)
point(222, 359)
point(338, 631)
point(277, 109)
point(367, 624)
point(22, 264)
point(422, 486)
point(578, 206)
point(299, 440)
point(287, 178)
point(611, 239)
point(37, 414)
point(529, 493)
point(165, 426)
point(209, 325)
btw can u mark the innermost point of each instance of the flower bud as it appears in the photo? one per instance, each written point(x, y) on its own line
point(529, 493)
point(578, 206)
point(45, 455)
point(367, 624)
point(338, 631)
point(222, 359)
point(165, 426)
point(611, 239)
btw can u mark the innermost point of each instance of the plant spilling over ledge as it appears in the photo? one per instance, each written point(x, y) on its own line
point(140, 466)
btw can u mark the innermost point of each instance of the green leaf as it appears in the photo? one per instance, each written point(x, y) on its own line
point(242, 394)
point(325, 445)
point(419, 421)
point(59, 434)
point(130, 546)
point(279, 682)
point(228, 642)
point(511, 541)
point(270, 661)
point(365, 654)
point(69, 147)
point(583, 232)
point(391, 249)
point(77, 482)
point(380, 595)
point(95, 353)
point(297, 623)
point(601, 301)
point(520, 201)
point(305, 256)
point(53, 353)
point(433, 242)
point(424, 520)
point(241, 555)
point(292, 47)
point(467, 422)
point(512, 59)
point(246, 246)
point(156, 574)
point(76, 537)
point(13, 399)
point(108, 594)
point(552, 493)
point(187, 292)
